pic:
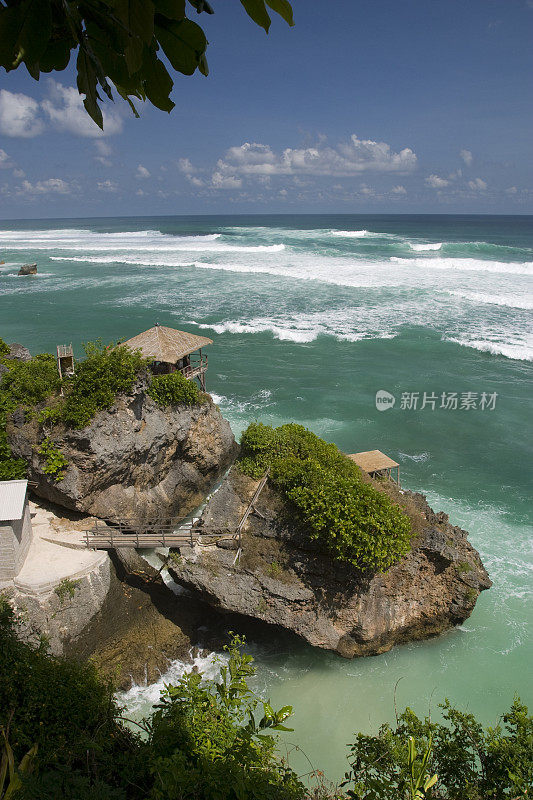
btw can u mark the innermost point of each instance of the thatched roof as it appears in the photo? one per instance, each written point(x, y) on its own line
point(166, 344)
point(373, 461)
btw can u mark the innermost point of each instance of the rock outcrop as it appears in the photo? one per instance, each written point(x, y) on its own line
point(17, 352)
point(135, 462)
point(28, 269)
point(284, 579)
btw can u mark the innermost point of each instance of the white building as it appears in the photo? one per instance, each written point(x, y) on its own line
point(15, 528)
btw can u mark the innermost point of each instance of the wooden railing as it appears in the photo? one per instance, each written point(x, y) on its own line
point(195, 368)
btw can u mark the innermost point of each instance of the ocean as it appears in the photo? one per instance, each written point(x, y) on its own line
point(311, 316)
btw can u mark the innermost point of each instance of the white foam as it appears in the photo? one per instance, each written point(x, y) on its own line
point(467, 264)
point(416, 457)
point(352, 234)
point(518, 300)
point(140, 699)
point(520, 350)
point(420, 247)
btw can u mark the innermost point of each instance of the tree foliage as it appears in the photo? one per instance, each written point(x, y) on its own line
point(472, 763)
point(107, 370)
point(173, 389)
point(353, 520)
point(127, 44)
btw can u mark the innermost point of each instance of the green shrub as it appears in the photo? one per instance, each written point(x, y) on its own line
point(209, 743)
point(55, 461)
point(471, 763)
point(354, 521)
point(173, 389)
point(4, 348)
point(66, 709)
point(106, 371)
point(27, 383)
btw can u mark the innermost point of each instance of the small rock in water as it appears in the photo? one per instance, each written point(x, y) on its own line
point(28, 269)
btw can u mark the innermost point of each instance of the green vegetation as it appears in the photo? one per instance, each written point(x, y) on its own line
point(55, 462)
point(471, 763)
point(212, 740)
point(354, 521)
point(274, 569)
point(66, 588)
point(24, 384)
point(173, 389)
point(106, 371)
point(125, 44)
point(464, 566)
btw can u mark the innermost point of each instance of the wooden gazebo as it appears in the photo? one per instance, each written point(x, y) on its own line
point(376, 464)
point(170, 350)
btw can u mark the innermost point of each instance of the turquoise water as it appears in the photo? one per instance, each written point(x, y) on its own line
point(311, 316)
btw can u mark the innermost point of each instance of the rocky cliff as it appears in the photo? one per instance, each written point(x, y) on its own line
point(135, 461)
point(284, 579)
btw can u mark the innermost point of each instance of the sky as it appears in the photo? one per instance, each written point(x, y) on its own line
point(365, 106)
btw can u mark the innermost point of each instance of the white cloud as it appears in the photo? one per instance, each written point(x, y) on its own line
point(477, 185)
point(142, 172)
point(65, 110)
point(195, 181)
point(511, 190)
point(5, 160)
point(19, 115)
point(221, 181)
point(467, 157)
point(437, 183)
point(18, 173)
point(398, 190)
point(49, 186)
point(140, 193)
point(107, 186)
point(345, 159)
point(103, 151)
point(185, 165)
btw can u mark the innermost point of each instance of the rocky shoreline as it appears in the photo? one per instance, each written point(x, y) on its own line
point(142, 463)
point(284, 579)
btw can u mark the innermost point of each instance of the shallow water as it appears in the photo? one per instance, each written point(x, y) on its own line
point(310, 317)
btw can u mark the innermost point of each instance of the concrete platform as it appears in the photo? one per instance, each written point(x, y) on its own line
point(54, 555)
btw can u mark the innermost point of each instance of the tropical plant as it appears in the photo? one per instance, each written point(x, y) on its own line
point(173, 389)
point(352, 519)
point(209, 742)
point(118, 42)
point(472, 763)
point(107, 370)
point(55, 462)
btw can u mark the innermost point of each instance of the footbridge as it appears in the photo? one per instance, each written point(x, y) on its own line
point(108, 535)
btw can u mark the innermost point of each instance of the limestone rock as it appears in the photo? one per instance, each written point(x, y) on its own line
point(135, 462)
point(286, 580)
point(28, 269)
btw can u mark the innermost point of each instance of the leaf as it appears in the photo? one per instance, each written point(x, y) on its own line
point(157, 82)
point(87, 82)
point(25, 30)
point(56, 56)
point(137, 16)
point(257, 11)
point(172, 9)
point(283, 8)
point(184, 43)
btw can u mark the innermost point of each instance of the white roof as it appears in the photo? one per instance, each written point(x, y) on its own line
point(12, 497)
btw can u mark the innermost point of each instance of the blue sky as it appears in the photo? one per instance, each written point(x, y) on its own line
point(364, 106)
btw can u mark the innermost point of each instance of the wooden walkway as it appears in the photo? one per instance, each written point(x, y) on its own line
point(112, 535)
point(108, 537)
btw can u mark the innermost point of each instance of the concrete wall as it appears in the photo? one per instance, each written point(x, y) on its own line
point(15, 539)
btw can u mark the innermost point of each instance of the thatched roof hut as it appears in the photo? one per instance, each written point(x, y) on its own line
point(167, 345)
point(169, 350)
point(375, 463)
